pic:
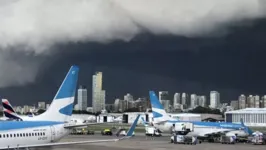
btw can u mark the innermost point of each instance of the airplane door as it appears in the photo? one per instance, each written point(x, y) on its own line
point(52, 133)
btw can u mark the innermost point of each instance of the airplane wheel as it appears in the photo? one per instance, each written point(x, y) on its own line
point(172, 141)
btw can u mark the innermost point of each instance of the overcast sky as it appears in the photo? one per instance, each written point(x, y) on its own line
point(136, 49)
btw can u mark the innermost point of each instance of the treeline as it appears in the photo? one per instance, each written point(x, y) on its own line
point(85, 112)
point(205, 110)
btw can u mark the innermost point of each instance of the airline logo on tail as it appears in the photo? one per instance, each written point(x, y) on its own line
point(9, 112)
point(62, 105)
point(159, 114)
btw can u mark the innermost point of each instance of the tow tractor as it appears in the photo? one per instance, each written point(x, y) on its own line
point(180, 136)
point(228, 139)
point(258, 138)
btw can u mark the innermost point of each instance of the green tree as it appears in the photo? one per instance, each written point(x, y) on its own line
point(205, 110)
point(132, 110)
point(40, 111)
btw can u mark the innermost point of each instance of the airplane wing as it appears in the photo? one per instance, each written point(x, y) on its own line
point(160, 123)
point(59, 144)
point(85, 124)
point(129, 134)
point(213, 132)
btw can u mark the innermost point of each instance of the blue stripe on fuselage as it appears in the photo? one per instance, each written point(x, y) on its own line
point(213, 124)
point(13, 125)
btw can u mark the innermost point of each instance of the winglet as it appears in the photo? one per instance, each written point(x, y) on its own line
point(246, 129)
point(133, 126)
point(242, 122)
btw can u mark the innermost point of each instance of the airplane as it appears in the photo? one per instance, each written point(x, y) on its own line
point(50, 126)
point(164, 123)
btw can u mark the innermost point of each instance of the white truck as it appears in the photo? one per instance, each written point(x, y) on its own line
point(152, 131)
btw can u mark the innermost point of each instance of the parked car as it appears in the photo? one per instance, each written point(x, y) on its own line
point(78, 131)
point(123, 132)
point(90, 132)
point(107, 132)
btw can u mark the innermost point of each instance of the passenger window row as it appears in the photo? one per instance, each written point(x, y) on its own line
point(21, 135)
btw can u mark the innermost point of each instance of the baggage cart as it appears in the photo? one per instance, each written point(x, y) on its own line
point(227, 139)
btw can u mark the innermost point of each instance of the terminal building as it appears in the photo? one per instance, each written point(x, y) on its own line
point(255, 117)
point(129, 117)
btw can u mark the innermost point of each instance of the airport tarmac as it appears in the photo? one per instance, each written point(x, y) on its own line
point(141, 143)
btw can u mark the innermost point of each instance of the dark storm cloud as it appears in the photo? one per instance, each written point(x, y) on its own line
point(31, 26)
point(233, 64)
point(174, 49)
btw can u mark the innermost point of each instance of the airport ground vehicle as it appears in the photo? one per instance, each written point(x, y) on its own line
point(152, 131)
point(90, 132)
point(80, 131)
point(242, 140)
point(181, 137)
point(123, 132)
point(228, 139)
point(107, 132)
point(259, 138)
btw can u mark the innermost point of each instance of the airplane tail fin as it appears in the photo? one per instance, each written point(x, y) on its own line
point(159, 114)
point(61, 107)
point(246, 129)
point(9, 111)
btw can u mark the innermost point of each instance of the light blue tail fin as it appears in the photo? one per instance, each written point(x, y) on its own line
point(159, 114)
point(62, 105)
point(246, 129)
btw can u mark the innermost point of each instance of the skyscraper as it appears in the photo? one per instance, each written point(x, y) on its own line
point(257, 101)
point(164, 99)
point(41, 105)
point(250, 101)
point(184, 98)
point(177, 99)
point(242, 101)
point(163, 95)
point(214, 99)
point(82, 98)
point(202, 101)
point(98, 95)
point(128, 97)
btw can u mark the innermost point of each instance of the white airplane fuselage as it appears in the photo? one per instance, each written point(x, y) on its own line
point(32, 135)
point(199, 129)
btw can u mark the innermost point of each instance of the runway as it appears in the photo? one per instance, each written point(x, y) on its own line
point(141, 143)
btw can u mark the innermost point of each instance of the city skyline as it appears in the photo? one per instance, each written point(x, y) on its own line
point(170, 104)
